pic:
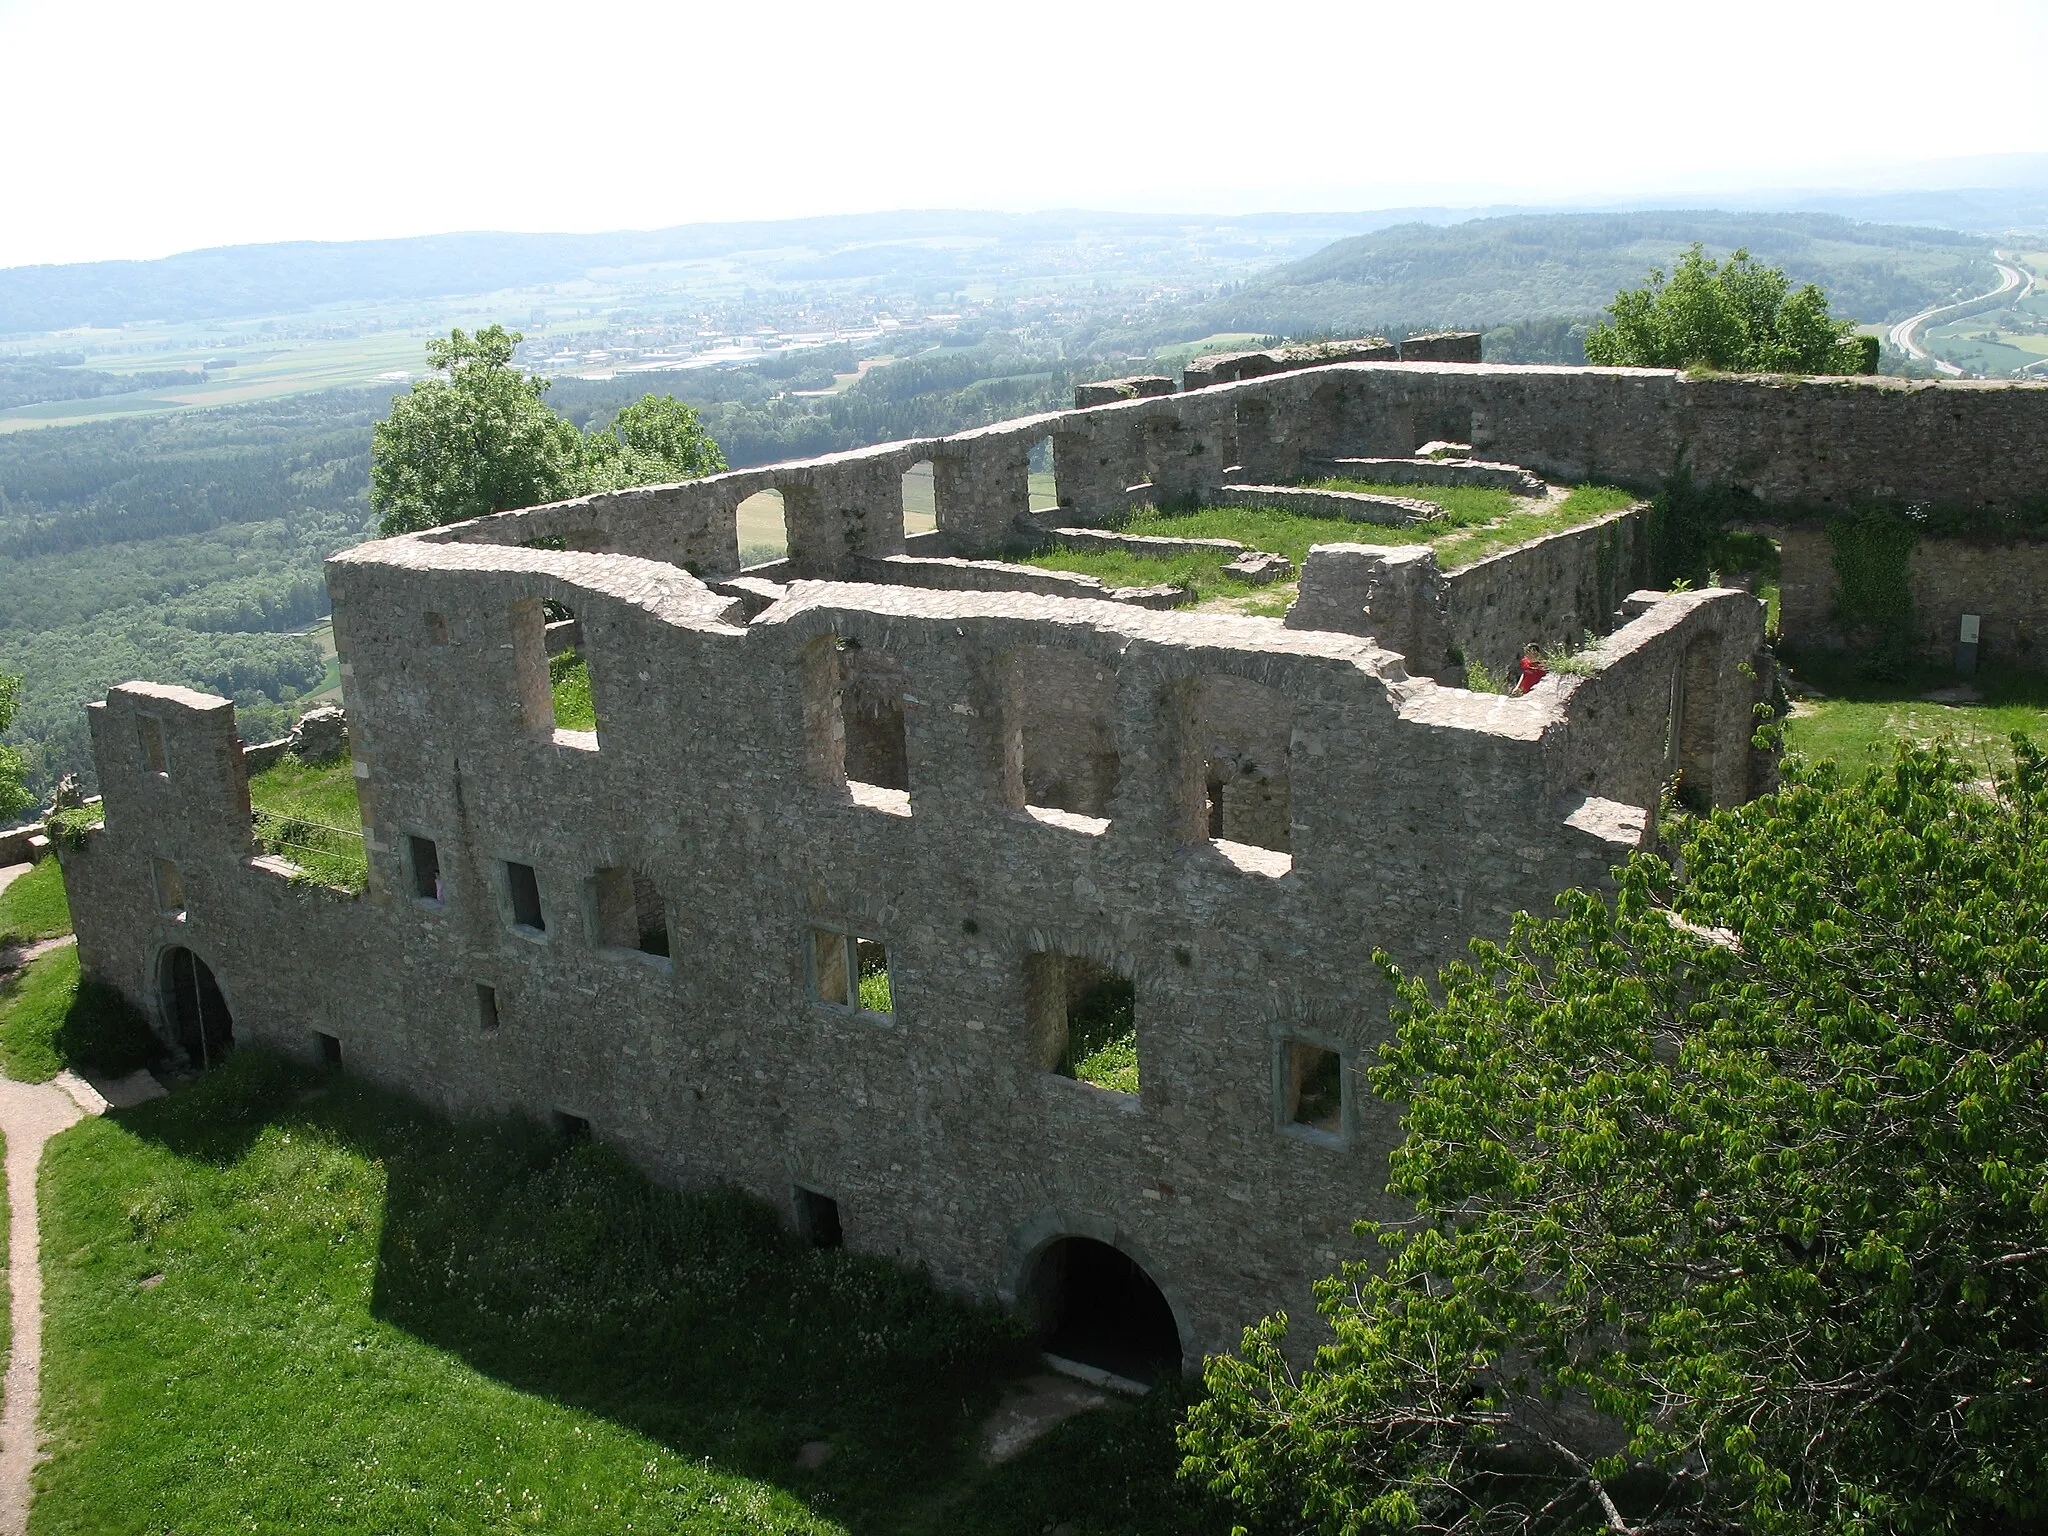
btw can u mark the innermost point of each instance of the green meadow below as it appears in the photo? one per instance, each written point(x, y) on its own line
point(281, 1302)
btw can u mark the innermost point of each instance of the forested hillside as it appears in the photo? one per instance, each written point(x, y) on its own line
point(1495, 272)
point(187, 548)
point(177, 549)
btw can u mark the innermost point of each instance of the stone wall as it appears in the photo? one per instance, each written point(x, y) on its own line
point(2004, 583)
point(1063, 768)
point(1814, 441)
point(1552, 591)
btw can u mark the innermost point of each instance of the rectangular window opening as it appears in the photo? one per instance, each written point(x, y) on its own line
point(1060, 710)
point(817, 1219)
point(848, 971)
point(571, 1127)
point(523, 886)
point(330, 1050)
point(1239, 746)
point(426, 868)
point(437, 628)
point(170, 890)
point(631, 912)
point(871, 706)
point(1313, 1088)
point(486, 1006)
point(568, 672)
point(150, 731)
point(1083, 1020)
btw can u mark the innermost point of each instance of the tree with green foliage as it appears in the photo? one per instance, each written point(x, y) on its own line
point(655, 440)
point(1739, 315)
point(1731, 1200)
point(14, 795)
point(482, 439)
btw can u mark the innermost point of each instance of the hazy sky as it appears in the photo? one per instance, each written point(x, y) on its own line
point(141, 127)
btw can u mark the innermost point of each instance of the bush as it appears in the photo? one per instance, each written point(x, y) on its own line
point(1731, 1199)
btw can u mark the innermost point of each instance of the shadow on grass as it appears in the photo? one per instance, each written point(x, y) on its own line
point(695, 1319)
point(1851, 678)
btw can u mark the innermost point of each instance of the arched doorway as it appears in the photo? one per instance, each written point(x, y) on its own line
point(194, 1008)
point(1093, 1303)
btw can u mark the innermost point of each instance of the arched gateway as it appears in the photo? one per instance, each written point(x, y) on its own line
point(1094, 1304)
point(193, 1007)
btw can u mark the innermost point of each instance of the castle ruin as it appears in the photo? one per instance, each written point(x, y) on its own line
point(999, 790)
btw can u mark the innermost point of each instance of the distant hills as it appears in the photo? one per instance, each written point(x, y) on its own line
point(942, 248)
point(1496, 271)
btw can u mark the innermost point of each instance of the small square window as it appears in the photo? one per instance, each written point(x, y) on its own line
point(817, 1219)
point(1313, 1087)
point(170, 890)
point(426, 869)
point(851, 972)
point(571, 1127)
point(150, 731)
point(523, 886)
point(486, 1006)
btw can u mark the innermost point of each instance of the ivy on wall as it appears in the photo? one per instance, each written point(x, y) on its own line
point(1873, 553)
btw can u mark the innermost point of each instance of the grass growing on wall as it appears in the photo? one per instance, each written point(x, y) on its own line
point(309, 813)
point(369, 1320)
point(34, 907)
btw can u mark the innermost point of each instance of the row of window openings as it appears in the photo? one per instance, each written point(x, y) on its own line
point(1081, 1015)
point(628, 907)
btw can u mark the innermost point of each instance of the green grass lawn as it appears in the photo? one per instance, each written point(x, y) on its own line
point(309, 813)
point(1857, 720)
point(50, 1019)
point(369, 1320)
point(33, 907)
point(1476, 523)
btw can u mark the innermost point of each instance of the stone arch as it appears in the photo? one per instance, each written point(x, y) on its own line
point(1067, 1269)
point(192, 1010)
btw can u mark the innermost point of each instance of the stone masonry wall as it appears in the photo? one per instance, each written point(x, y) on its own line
point(718, 773)
point(1811, 441)
point(2005, 584)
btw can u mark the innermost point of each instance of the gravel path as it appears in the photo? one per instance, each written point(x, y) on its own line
point(30, 1114)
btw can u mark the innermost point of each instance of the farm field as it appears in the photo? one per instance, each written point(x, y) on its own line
point(263, 372)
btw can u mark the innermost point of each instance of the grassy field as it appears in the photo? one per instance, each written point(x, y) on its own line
point(309, 813)
point(278, 1303)
point(1858, 722)
point(33, 907)
point(262, 372)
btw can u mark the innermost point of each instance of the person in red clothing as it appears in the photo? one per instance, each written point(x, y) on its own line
point(1533, 670)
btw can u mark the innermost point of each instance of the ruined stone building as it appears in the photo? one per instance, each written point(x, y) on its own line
point(860, 832)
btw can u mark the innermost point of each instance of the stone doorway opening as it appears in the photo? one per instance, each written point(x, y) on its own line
point(194, 1008)
point(1094, 1305)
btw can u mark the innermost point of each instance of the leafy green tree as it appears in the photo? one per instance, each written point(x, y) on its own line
point(1739, 315)
point(482, 440)
point(1731, 1195)
point(655, 440)
point(14, 795)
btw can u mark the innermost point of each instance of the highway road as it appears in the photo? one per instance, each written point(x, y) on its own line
point(1906, 334)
